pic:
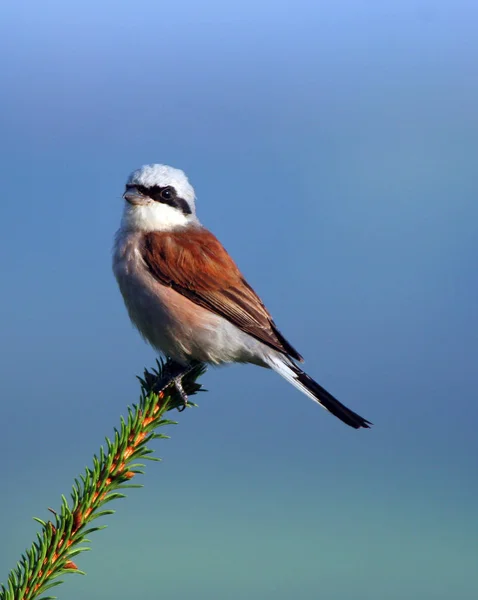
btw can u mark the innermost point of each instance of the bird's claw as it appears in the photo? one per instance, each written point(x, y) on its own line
point(178, 384)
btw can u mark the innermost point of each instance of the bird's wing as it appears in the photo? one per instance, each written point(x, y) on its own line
point(196, 265)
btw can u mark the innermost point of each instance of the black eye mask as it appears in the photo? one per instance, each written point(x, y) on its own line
point(165, 195)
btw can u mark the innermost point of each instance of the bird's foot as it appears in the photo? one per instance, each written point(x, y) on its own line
point(176, 373)
point(178, 384)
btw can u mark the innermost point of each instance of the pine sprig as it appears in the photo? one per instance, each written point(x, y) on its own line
point(60, 541)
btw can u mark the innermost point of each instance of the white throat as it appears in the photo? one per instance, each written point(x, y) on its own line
point(155, 217)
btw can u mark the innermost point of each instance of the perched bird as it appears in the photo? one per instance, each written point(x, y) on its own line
point(185, 294)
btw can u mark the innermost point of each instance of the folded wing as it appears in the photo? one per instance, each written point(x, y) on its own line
point(196, 265)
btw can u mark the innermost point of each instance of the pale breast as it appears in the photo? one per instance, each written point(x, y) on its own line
point(170, 322)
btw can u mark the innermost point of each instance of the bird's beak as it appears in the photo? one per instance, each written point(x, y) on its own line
point(134, 196)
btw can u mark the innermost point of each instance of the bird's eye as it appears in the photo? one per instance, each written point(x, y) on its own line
point(168, 193)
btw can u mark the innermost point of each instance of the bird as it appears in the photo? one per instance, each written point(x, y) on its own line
point(187, 297)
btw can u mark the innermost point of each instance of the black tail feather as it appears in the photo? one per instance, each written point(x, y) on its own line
point(329, 402)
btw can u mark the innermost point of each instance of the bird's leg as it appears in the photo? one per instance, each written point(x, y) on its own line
point(178, 384)
point(177, 372)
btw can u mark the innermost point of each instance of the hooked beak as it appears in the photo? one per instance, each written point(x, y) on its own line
point(134, 196)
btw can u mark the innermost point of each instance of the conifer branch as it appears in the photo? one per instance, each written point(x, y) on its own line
point(58, 543)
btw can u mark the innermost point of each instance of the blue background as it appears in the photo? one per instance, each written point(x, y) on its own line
point(333, 146)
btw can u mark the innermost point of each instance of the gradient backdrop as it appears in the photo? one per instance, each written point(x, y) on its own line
point(334, 149)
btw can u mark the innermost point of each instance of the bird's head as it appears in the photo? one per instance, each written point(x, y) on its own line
point(158, 198)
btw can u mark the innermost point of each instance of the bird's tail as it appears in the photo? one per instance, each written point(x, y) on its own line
point(316, 392)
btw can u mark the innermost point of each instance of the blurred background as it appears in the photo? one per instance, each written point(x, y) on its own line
point(333, 146)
